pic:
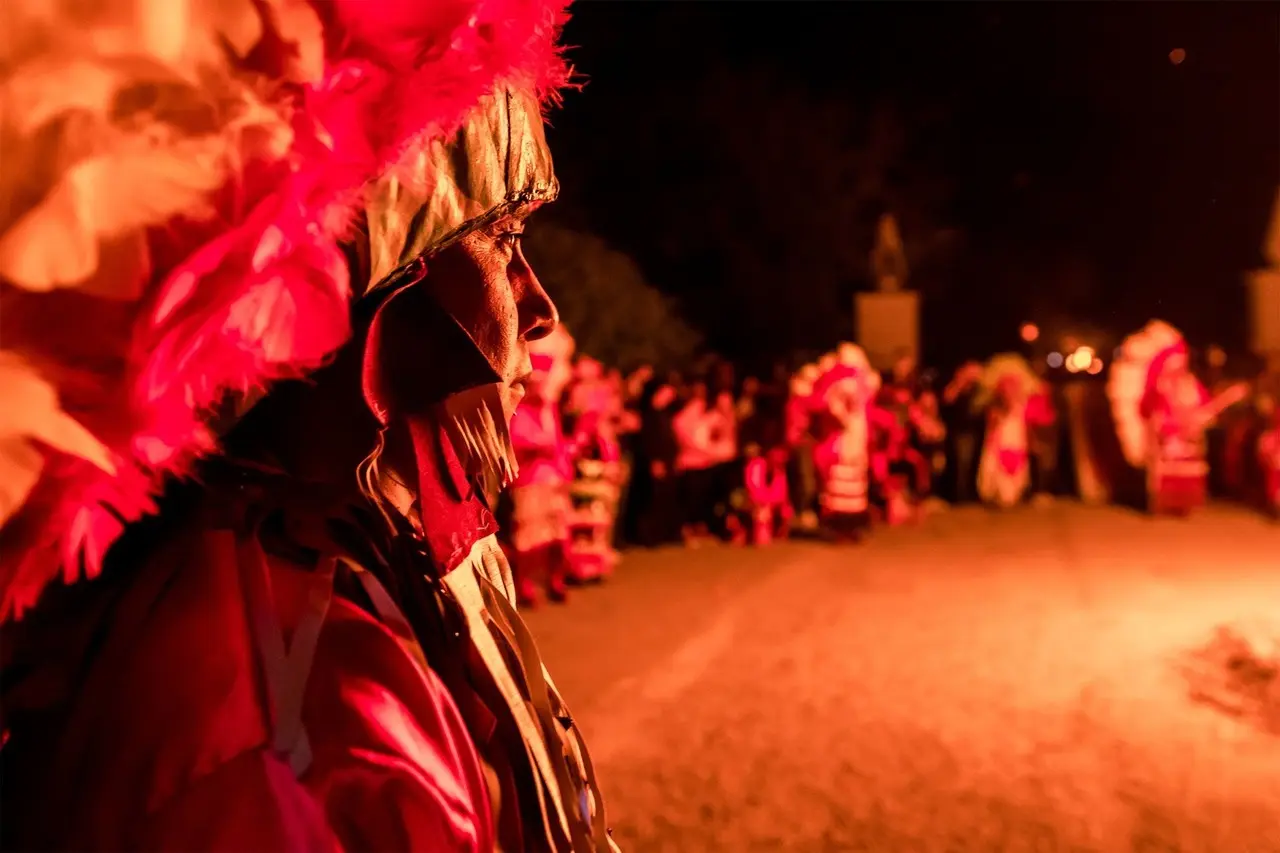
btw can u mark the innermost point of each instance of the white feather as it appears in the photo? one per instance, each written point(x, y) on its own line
point(30, 413)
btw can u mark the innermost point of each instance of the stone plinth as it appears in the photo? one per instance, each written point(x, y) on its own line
point(886, 323)
point(1264, 311)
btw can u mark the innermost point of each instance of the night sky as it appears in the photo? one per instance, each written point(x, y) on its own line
point(1047, 161)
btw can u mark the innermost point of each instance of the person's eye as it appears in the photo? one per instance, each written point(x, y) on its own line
point(508, 241)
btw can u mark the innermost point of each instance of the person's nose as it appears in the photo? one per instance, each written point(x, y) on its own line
point(536, 312)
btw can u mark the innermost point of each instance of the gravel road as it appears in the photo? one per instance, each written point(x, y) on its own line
point(982, 682)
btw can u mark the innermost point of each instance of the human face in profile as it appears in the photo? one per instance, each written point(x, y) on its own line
point(486, 284)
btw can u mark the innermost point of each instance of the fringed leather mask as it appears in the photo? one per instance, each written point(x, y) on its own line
point(419, 360)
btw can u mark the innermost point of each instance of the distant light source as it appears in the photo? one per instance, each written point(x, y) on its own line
point(1054, 360)
point(1095, 367)
point(1029, 332)
point(1081, 359)
point(1177, 56)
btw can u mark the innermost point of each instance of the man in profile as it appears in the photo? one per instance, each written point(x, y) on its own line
point(314, 646)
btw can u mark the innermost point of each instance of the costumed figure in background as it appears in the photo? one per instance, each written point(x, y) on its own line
point(1161, 411)
point(909, 481)
point(1269, 454)
point(726, 468)
point(589, 391)
point(312, 642)
point(767, 496)
point(798, 417)
point(843, 455)
point(695, 464)
point(539, 516)
point(598, 473)
point(963, 428)
point(1015, 402)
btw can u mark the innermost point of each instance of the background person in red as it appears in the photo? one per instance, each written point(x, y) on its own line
point(538, 529)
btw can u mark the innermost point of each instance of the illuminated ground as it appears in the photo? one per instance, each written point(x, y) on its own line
point(984, 683)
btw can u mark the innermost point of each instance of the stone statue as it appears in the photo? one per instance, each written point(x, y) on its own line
point(888, 259)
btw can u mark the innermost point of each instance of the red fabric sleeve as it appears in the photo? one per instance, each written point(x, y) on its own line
point(394, 765)
point(252, 802)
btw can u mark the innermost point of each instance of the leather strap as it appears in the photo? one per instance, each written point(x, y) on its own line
point(285, 669)
point(587, 821)
point(393, 617)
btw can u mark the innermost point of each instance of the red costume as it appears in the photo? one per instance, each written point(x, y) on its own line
point(907, 427)
point(1016, 402)
point(1161, 411)
point(296, 653)
point(844, 453)
point(767, 495)
point(1269, 459)
point(598, 474)
point(540, 516)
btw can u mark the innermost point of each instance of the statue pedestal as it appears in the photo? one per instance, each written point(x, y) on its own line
point(887, 322)
point(1264, 311)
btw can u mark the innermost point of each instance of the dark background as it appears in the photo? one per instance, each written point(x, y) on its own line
point(1046, 162)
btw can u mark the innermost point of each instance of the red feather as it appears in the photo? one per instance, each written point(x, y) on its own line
point(265, 297)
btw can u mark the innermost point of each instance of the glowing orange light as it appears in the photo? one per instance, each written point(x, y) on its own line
point(1177, 55)
point(1029, 332)
point(1096, 367)
point(1081, 359)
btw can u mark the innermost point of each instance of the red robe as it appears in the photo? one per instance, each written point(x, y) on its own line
point(156, 709)
point(540, 492)
point(1176, 467)
point(766, 487)
point(168, 735)
point(1269, 458)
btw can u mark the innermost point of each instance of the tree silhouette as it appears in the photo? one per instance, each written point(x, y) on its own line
point(613, 313)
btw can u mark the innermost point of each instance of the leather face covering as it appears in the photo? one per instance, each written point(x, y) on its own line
point(417, 355)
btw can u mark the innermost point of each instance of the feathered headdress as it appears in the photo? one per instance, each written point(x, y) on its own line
point(1132, 372)
point(177, 180)
point(1005, 367)
point(848, 363)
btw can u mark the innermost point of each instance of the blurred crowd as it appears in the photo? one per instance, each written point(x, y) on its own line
point(837, 448)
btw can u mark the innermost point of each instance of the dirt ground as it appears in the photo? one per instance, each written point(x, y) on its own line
point(985, 682)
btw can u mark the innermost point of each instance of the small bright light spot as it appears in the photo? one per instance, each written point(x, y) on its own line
point(1029, 332)
point(1054, 360)
point(1085, 354)
point(1073, 362)
point(1177, 56)
point(1096, 367)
